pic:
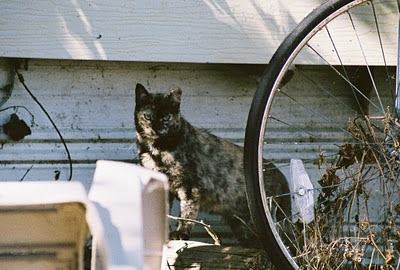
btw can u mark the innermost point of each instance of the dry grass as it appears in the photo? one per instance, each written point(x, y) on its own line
point(358, 206)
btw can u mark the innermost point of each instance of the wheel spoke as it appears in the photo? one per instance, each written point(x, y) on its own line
point(344, 78)
point(366, 63)
point(318, 115)
point(338, 120)
point(328, 92)
point(344, 70)
point(383, 54)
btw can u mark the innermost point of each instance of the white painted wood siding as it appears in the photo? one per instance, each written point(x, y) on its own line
point(199, 31)
point(92, 103)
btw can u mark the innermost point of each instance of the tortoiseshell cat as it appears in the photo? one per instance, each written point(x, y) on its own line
point(205, 172)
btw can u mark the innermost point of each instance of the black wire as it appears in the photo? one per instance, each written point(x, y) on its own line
point(22, 80)
point(26, 173)
point(15, 108)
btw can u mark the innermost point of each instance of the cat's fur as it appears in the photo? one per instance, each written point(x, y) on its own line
point(205, 172)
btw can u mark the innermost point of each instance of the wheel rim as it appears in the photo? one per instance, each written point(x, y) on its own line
point(270, 105)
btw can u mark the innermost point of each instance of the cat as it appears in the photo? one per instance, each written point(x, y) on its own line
point(205, 172)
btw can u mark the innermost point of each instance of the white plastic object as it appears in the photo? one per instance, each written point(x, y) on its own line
point(45, 225)
point(132, 205)
point(42, 225)
point(303, 190)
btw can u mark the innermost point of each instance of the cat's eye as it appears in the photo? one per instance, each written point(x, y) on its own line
point(147, 116)
point(167, 117)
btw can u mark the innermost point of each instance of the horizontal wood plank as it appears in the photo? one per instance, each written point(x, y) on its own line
point(92, 103)
point(197, 255)
point(232, 31)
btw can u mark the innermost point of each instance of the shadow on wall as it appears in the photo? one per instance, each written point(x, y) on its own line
point(189, 31)
point(207, 31)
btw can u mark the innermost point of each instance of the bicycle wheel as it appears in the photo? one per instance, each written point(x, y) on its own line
point(324, 111)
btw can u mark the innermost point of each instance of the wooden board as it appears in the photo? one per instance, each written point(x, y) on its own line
point(209, 31)
point(92, 103)
point(196, 255)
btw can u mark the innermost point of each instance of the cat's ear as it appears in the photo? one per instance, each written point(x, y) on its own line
point(175, 94)
point(140, 93)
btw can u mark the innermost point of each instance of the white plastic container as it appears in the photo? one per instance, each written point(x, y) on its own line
point(42, 225)
point(46, 225)
point(132, 204)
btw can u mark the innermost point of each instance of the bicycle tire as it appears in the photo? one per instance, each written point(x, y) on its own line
point(271, 78)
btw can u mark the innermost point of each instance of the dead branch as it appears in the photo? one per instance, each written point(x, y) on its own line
point(207, 227)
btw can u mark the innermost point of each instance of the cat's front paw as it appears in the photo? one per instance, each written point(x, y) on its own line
point(179, 235)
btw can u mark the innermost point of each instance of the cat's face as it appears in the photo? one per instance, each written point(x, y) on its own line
point(157, 115)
